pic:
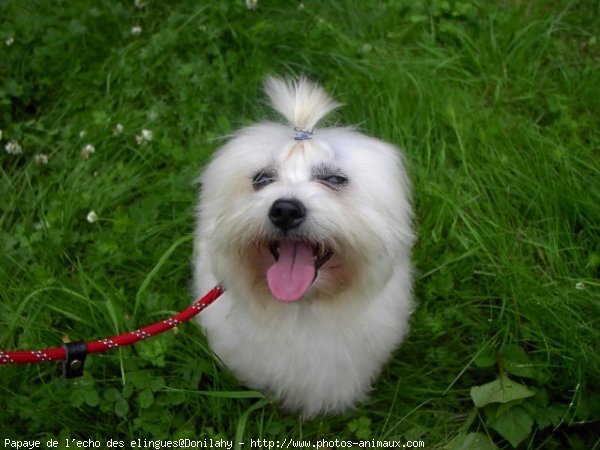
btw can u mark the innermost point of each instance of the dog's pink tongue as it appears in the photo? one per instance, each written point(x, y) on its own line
point(293, 273)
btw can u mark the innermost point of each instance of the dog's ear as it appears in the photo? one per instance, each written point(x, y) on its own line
point(302, 102)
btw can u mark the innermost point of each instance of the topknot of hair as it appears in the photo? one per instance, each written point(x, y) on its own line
point(302, 102)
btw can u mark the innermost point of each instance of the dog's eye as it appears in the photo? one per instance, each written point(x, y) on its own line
point(262, 178)
point(330, 176)
point(333, 181)
point(336, 180)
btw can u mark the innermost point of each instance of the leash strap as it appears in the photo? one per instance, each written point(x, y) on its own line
point(74, 354)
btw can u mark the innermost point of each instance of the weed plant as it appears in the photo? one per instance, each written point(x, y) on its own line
point(108, 110)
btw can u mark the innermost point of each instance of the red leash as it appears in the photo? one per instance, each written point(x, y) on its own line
point(74, 354)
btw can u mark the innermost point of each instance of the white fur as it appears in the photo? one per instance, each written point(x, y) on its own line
point(320, 354)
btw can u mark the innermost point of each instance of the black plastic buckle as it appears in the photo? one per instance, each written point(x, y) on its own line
point(75, 353)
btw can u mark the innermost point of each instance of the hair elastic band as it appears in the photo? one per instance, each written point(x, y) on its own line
point(302, 134)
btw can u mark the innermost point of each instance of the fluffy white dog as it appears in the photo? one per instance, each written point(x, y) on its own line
point(309, 231)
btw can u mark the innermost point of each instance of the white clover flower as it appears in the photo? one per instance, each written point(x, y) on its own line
point(139, 4)
point(9, 41)
point(144, 136)
point(13, 148)
point(118, 129)
point(580, 286)
point(136, 30)
point(87, 151)
point(82, 134)
point(147, 134)
point(42, 225)
point(91, 217)
point(251, 4)
point(40, 158)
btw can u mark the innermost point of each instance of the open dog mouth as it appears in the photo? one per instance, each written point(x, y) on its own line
point(296, 265)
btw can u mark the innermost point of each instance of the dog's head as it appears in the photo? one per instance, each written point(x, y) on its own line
point(297, 213)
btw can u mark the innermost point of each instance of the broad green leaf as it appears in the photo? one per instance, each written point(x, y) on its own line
point(141, 380)
point(157, 384)
point(501, 390)
point(146, 398)
point(472, 441)
point(517, 362)
point(550, 416)
point(514, 425)
point(504, 407)
point(361, 427)
point(121, 407)
point(91, 398)
point(486, 358)
point(77, 397)
point(112, 395)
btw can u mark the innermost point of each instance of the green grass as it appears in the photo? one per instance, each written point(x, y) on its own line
point(496, 107)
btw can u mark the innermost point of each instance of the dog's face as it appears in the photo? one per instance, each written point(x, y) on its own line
point(292, 220)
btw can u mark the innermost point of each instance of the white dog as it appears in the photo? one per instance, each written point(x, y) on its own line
point(309, 231)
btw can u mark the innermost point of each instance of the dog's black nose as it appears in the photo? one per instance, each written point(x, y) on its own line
point(286, 214)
